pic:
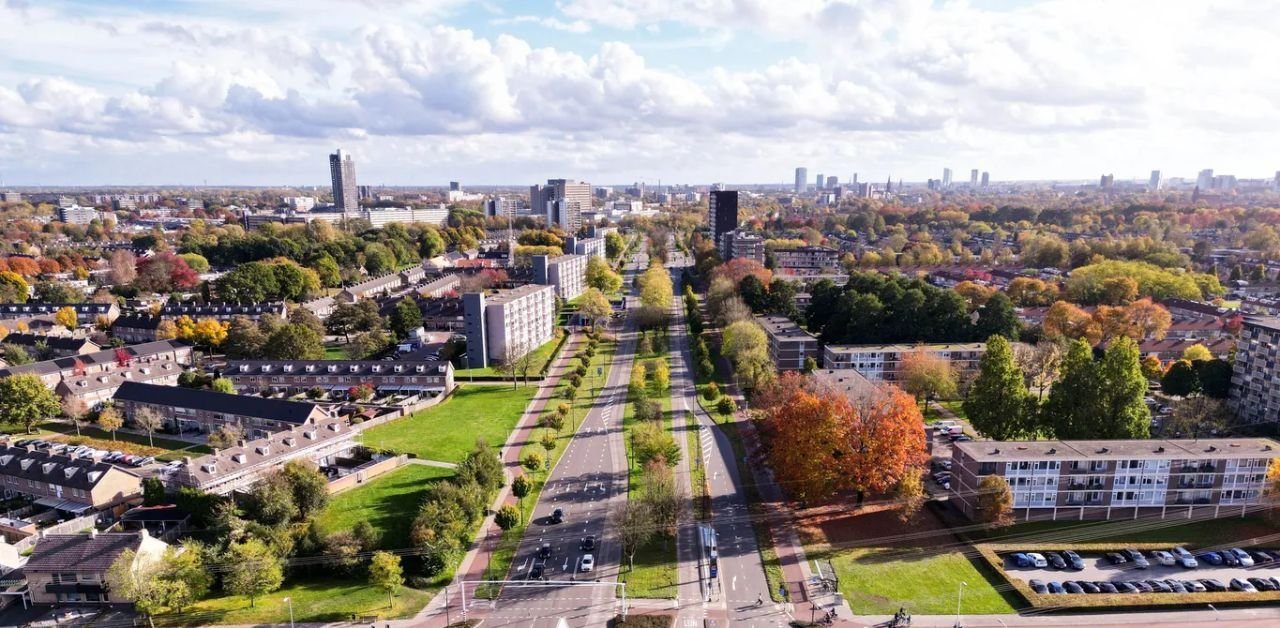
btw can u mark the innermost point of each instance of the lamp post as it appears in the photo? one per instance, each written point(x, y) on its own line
point(959, 596)
point(289, 601)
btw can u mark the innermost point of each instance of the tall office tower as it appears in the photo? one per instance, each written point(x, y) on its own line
point(946, 178)
point(1275, 183)
point(723, 216)
point(1205, 180)
point(832, 182)
point(570, 199)
point(1155, 182)
point(1107, 181)
point(455, 186)
point(342, 170)
point(986, 179)
point(973, 177)
point(817, 181)
point(802, 179)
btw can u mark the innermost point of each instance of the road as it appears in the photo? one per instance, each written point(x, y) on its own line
point(589, 484)
point(731, 598)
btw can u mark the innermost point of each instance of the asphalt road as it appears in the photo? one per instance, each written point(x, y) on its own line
point(589, 484)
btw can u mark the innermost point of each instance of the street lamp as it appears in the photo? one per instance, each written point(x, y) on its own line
point(289, 601)
point(959, 596)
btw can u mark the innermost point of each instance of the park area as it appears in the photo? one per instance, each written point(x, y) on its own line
point(448, 431)
point(389, 503)
point(538, 361)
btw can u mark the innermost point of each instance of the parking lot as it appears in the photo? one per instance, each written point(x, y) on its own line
point(1097, 568)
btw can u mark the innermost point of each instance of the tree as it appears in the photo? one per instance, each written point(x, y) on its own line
point(385, 573)
point(1031, 292)
point(753, 293)
point(614, 245)
point(309, 486)
point(656, 288)
point(995, 502)
point(67, 317)
point(520, 488)
point(195, 262)
point(133, 577)
point(1215, 377)
point(594, 306)
point(153, 492)
point(661, 495)
point(1065, 321)
point(149, 421)
point(25, 399)
point(294, 342)
point(661, 375)
point(601, 277)
point(164, 272)
point(997, 317)
point(927, 375)
point(1196, 352)
point(13, 288)
point(635, 527)
point(271, 501)
point(805, 433)
point(225, 436)
point(253, 569)
point(1197, 416)
point(349, 318)
point(123, 267)
point(533, 461)
point(884, 441)
point(975, 295)
point(747, 347)
point(223, 385)
point(1180, 379)
point(1122, 392)
point(405, 318)
point(74, 409)
point(168, 330)
point(507, 517)
point(1119, 290)
point(1151, 368)
point(1071, 411)
point(307, 318)
point(548, 440)
point(726, 406)
point(650, 441)
point(188, 577)
point(367, 345)
point(910, 495)
point(16, 355)
point(999, 405)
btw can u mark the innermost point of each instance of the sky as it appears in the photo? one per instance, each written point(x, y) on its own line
point(421, 92)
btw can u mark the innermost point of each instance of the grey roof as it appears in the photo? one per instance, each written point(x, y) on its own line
point(103, 380)
point(220, 309)
point(42, 466)
point(1204, 448)
point(506, 296)
point(364, 368)
point(107, 356)
point(31, 309)
point(264, 452)
point(211, 401)
point(80, 552)
point(783, 327)
point(60, 343)
point(137, 321)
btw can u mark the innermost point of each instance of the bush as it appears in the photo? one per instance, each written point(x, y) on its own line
point(575, 379)
point(581, 371)
point(648, 410)
point(710, 391)
point(533, 461)
point(726, 406)
point(705, 369)
point(590, 352)
point(420, 582)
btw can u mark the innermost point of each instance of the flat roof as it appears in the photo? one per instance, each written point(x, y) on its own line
point(1206, 448)
point(504, 296)
point(949, 346)
point(784, 327)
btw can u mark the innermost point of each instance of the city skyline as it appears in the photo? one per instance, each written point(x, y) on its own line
point(420, 91)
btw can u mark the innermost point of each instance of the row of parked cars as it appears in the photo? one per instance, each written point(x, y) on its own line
point(1178, 556)
point(85, 451)
point(1168, 585)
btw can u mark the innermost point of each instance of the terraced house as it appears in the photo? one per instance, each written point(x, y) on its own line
point(187, 410)
point(71, 484)
point(298, 376)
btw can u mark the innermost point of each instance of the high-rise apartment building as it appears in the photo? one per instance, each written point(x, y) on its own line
point(508, 324)
point(1255, 391)
point(501, 207)
point(1155, 182)
point(723, 214)
point(1204, 180)
point(342, 171)
point(562, 201)
point(973, 177)
point(946, 177)
point(1275, 183)
point(1107, 181)
point(986, 179)
point(802, 179)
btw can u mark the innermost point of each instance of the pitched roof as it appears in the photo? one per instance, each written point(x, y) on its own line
point(211, 401)
point(59, 343)
point(107, 356)
point(264, 452)
point(80, 552)
point(42, 466)
point(137, 321)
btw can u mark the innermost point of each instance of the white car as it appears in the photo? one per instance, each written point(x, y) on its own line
point(1245, 559)
point(1186, 559)
point(1163, 558)
point(1037, 560)
point(588, 562)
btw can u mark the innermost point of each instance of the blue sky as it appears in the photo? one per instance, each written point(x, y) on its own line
point(612, 91)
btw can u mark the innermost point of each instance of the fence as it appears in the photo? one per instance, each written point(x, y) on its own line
point(366, 472)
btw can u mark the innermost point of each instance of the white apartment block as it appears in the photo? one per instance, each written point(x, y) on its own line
point(882, 363)
point(520, 320)
point(568, 273)
point(587, 246)
point(77, 215)
point(300, 203)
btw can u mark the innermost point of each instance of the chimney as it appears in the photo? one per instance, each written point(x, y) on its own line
point(93, 533)
point(240, 443)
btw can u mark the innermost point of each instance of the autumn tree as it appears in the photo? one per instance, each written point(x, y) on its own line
point(13, 288)
point(67, 317)
point(74, 410)
point(995, 501)
point(1031, 292)
point(166, 330)
point(594, 306)
point(910, 494)
point(974, 295)
point(927, 376)
point(999, 405)
point(745, 345)
point(1197, 352)
point(1065, 321)
point(149, 421)
point(109, 420)
point(123, 267)
point(601, 277)
point(385, 573)
point(885, 440)
point(1197, 416)
point(1139, 320)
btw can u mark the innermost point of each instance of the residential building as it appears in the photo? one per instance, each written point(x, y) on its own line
point(884, 362)
point(202, 411)
point(735, 244)
point(72, 568)
point(299, 376)
point(86, 313)
point(946, 178)
point(342, 172)
point(11, 197)
point(832, 182)
point(1204, 180)
point(501, 206)
point(152, 354)
point(396, 283)
point(95, 388)
point(847, 382)
point(439, 288)
point(77, 215)
point(568, 273)
point(1155, 182)
point(1255, 389)
point(319, 441)
point(50, 347)
point(1076, 480)
point(136, 328)
point(586, 246)
point(72, 485)
point(723, 213)
point(973, 178)
point(1172, 348)
point(806, 259)
point(562, 201)
point(986, 179)
point(789, 345)
point(222, 311)
point(508, 323)
point(802, 180)
point(300, 203)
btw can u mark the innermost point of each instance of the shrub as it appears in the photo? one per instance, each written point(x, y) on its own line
point(710, 391)
point(581, 370)
point(648, 410)
point(727, 406)
point(575, 379)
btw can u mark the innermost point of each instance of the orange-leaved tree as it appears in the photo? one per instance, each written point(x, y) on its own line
point(806, 444)
point(885, 440)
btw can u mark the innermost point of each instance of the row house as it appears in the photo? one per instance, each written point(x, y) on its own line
point(187, 410)
point(151, 354)
point(222, 311)
point(429, 378)
point(319, 441)
point(1172, 348)
point(86, 313)
point(70, 484)
point(52, 346)
point(136, 328)
point(72, 568)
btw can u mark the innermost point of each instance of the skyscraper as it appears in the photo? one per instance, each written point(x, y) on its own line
point(802, 179)
point(946, 178)
point(817, 183)
point(723, 215)
point(973, 177)
point(1205, 180)
point(1275, 183)
point(832, 182)
point(986, 178)
point(1155, 182)
point(342, 170)
point(562, 201)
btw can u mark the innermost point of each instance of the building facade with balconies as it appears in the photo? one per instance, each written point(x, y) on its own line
point(1255, 380)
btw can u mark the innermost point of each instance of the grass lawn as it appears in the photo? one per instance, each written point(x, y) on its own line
point(541, 356)
point(697, 472)
point(313, 601)
point(956, 406)
point(389, 503)
point(1196, 534)
point(335, 352)
point(448, 431)
point(925, 584)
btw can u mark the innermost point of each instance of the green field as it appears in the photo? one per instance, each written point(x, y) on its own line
point(1195, 534)
point(924, 582)
point(389, 503)
point(541, 356)
point(448, 431)
point(313, 601)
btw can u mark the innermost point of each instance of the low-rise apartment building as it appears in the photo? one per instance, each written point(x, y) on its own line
point(789, 345)
point(52, 346)
point(567, 273)
point(737, 244)
point(586, 246)
point(222, 311)
point(136, 328)
point(884, 362)
point(74, 485)
point(315, 440)
point(429, 378)
point(1255, 389)
point(806, 259)
point(72, 568)
point(508, 323)
point(1222, 477)
point(185, 410)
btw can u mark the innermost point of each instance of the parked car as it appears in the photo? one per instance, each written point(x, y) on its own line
point(963, 438)
point(1106, 587)
point(1037, 560)
point(1055, 561)
point(1142, 586)
point(1116, 558)
point(1229, 558)
point(1056, 587)
point(1245, 559)
point(1242, 585)
point(1073, 560)
point(1139, 561)
point(1159, 586)
point(1162, 558)
point(1260, 557)
point(1072, 587)
point(1175, 586)
point(1038, 586)
point(1262, 584)
point(1126, 587)
point(1193, 586)
point(1275, 582)
point(1021, 560)
point(1089, 587)
point(588, 562)
point(1213, 558)
point(1185, 559)
point(1213, 584)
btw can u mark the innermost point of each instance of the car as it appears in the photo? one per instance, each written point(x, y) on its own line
point(1142, 586)
point(544, 552)
point(1229, 558)
point(1106, 587)
point(1162, 558)
point(1055, 561)
point(1275, 582)
point(1185, 559)
point(1260, 557)
point(1175, 586)
point(1262, 584)
point(945, 464)
point(1073, 560)
point(1056, 587)
point(1116, 558)
point(174, 464)
point(1213, 558)
point(557, 516)
point(145, 461)
point(1159, 586)
point(535, 572)
point(1126, 587)
point(588, 562)
point(1245, 559)
point(1139, 561)
point(1089, 587)
point(1213, 584)
point(1242, 585)
point(963, 438)
point(1037, 560)
point(57, 448)
point(23, 442)
point(1072, 587)
point(1038, 586)
point(588, 543)
point(1020, 560)
point(1193, 586)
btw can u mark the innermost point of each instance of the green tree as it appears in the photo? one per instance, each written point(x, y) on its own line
point(594, 306)
point(405, 318)
point(153, 492)
point(601, 277)
point(533, 461)
point(1072, 409)
point(548, 440)
point(13, 288)
point(196, 262)
point(54, 292)
point(385, 573)
point(245, 339)
point(995, 501)
point(134, 578)
point(507, 517)
point(253, 570)
point(223, 385)
point(1180, 380)
point(747, 347)
point(997, 317)
point(650, 441)
point(294, 342)
point(1196, 353)
point(1122, 391)
point(25, 399)
point(520, 488)
point(614, 245)
point(999, 404)
point(309, 486)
